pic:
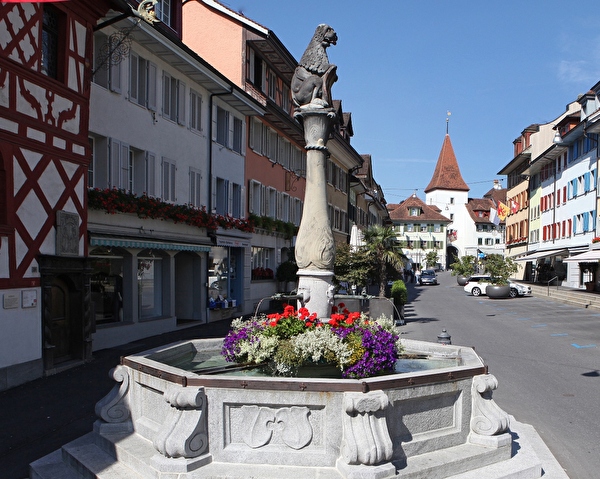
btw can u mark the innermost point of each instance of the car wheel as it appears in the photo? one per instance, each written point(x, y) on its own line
point(476, 291)
point(513, 292)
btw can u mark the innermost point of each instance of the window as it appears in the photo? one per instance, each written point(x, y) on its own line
point(142, 81)
point(410, 228)
point(237, 135)
point(168, 180)
point(271, 205)
point(437, 228)
point(236, 201)
point(272, 85)
point(222, 127)
point(414, 212)
point(423, 228)
point(107, 285)
point(90, 181)
point(163, 11)
point(255, 198)
point(173, 99)
point(261, 263)
point(256, 71)
point(150, 275)
point(106, 74)
point(222, 204)
point(195, 187)
point(195, 111)
point(50, 40)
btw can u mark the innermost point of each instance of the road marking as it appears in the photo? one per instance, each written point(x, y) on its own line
point(558, 335)
point(523, 319)
point(539, 325)
point(583, 347)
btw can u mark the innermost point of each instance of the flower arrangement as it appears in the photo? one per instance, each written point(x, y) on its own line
point(360, 347)
point(120, 201)
point(596, 239)
point(262, 273)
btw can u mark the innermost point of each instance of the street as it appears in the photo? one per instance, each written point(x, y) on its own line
point(545, 355)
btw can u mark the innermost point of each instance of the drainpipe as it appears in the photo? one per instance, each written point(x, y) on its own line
point(210, 149)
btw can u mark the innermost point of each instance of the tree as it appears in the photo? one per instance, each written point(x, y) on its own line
point(464, 266)
point(431, 259)
point(352, 266)
point(381, 242)
point(500, 268)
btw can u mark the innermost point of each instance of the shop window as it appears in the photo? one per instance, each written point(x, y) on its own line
point(107, 285)
point(150, 284)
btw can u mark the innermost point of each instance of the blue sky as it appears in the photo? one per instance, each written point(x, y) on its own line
point(497, 66)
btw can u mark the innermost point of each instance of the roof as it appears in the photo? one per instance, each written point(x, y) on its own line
point(479, 209)
point(447, 174)
point(401, 212)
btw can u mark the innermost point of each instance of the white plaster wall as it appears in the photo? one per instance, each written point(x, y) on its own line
point(20, 330)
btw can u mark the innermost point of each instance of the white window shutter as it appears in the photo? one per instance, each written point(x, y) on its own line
point(213, 200)
point(181, 102)
point(150, 173)
point(124, 181)
point(213, 116)
point(115, 163)
point(242, 201)
point(152, 72)
point(133, 76)
point(251, 197)
point(279, 205)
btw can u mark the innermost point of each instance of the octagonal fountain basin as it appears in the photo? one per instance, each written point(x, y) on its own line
point(176, 411)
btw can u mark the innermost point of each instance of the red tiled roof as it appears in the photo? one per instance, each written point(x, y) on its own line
point(427, 212)
point(447, 174)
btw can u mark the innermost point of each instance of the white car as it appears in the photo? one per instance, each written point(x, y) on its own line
point(476, 285)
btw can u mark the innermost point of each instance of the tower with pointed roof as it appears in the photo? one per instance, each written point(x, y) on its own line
point(449, 192)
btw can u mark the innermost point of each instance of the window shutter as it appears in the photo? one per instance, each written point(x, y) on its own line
point(166, 97)
point(181, 102)
point(133, 76)
point(229, 188)
point(150, 173)
point(251, 67)
point(251, 197)
point(124, 180)
point(213, 114)
point(242, 202)
point(115, 163)
point(151, 80)
point(574, 225)
point(594, 174)
point(213, 200)
point(586, 181)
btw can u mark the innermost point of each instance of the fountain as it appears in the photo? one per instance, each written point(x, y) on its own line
point(209, 421)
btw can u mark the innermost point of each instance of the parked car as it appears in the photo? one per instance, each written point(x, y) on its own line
point(477, 283)
point(428, 276)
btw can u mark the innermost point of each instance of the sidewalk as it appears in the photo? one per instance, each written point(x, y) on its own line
point(38, 417)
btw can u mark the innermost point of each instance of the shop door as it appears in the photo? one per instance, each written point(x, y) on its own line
point(60, 322)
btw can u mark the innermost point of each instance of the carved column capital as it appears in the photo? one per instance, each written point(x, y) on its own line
point(487, 418)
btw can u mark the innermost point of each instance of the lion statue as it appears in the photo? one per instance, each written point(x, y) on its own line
point(314, 75)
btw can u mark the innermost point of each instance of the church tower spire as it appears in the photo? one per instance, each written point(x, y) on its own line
point(447, 174)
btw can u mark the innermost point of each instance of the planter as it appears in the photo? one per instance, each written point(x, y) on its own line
point(495, 291)
point(461, 279)
point(589, 286)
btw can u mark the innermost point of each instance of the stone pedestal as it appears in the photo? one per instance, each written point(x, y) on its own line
point(315, 247)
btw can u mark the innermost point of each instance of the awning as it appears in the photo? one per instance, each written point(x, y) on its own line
point(542, 254)
point(588, 257)
point(145, 244)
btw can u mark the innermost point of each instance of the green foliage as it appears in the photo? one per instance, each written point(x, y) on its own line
point(399, 292)
point(354, 267)
point(382, 243)
point(464, 266)
point(431, 258)
point(287, 271)
point(500, 268)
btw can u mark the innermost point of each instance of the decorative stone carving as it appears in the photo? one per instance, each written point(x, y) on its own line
point(366, 437)
point(487, 418)
point(314, 75)
point(183, 432)
point(67, 233)
point(292, 423)
point(114, 408)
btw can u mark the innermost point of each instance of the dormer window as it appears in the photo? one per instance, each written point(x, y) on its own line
point(414, 212)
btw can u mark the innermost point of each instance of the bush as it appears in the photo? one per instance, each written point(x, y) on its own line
point(287, 272)
point(399, 292)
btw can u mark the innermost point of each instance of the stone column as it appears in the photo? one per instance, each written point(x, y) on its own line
point(315, 248)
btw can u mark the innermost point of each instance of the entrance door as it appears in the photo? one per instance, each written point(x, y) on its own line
point(60, 322)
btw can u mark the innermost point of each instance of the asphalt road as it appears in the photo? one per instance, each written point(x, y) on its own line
point(545, 355)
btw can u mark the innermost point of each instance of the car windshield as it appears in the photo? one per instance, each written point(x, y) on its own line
point(428, 273)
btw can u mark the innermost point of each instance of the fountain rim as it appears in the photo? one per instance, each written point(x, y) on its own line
point(147, 362)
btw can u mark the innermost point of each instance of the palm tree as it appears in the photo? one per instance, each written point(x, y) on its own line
point(382, 243)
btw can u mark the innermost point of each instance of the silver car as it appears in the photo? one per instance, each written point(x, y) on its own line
point(428, 276)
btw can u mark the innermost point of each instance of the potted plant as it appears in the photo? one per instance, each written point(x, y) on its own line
point(399, 295)
point(287, 273)
point(463, 268)
point(500, 269)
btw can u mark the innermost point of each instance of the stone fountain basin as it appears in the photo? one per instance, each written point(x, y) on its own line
point(213, 425)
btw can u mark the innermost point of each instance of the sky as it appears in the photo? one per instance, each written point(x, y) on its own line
point(497, 66)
